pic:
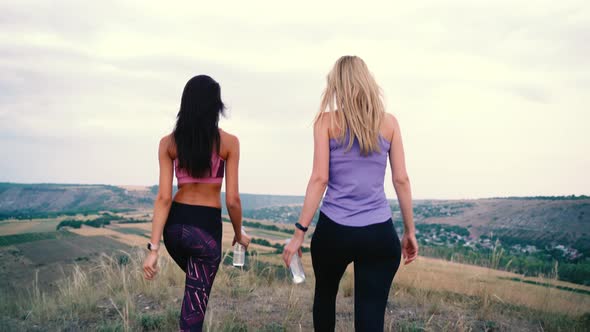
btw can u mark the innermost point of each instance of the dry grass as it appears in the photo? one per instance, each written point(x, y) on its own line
point(145, 226)
point(130, 239)
point(16, 226)
point(112, 295)
point(435, 274)
point(34, 226)
point(485, 282)
point(428, 295)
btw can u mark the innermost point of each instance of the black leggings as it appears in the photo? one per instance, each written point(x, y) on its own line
point(192, 236)
point(376, 252)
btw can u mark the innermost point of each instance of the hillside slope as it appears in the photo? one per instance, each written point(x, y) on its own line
point(540, 220)
point(33, 200)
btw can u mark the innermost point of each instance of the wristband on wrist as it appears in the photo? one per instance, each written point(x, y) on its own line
point(152, 247)
point(299, 226)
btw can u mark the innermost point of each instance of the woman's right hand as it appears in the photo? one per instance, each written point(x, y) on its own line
point(294, 246)
point(409, 247)
point(150, 265)
point(244, 240)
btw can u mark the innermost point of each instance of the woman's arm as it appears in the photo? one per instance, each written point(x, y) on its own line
point(401, 183)
point(315, 187)
point(232, 192)
point(161, 205)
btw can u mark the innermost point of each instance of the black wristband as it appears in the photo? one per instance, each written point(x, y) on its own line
point(299, 226)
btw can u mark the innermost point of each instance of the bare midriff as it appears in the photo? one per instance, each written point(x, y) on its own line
point(205, 194)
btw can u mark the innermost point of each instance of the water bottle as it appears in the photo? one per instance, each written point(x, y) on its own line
point(296, 267)
point(239, 253)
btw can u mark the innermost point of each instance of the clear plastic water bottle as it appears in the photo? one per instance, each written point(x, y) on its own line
point(239, 253)
point(296, 267)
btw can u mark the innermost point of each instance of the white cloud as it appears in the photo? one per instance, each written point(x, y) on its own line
point(492, 96)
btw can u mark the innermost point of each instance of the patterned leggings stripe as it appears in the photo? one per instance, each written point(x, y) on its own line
point(192, 236)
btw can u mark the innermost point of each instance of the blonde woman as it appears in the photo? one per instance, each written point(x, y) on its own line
point(353, 137)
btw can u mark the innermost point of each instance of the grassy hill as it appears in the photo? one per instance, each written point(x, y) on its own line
point(254, 201)
point(89, 278)
point(535, 232)
point(564, 219)
point(106, 292)
point(535, 218)
point(25, 201)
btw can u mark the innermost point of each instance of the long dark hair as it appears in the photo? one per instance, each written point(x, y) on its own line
point(196, 133)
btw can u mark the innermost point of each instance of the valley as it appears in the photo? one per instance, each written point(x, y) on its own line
point(474, 272)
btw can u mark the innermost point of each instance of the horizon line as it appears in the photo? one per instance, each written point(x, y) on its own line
point(295, 195)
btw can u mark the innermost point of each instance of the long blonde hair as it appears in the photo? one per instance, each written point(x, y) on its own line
point(353, 92)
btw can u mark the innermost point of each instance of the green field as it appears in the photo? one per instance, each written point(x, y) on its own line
point(8, 240)
point(8, 227)
point(545, 284)
point(45, 258)
point(270, 235)
point(44, 226)
point(132, 230)
point(57, 250)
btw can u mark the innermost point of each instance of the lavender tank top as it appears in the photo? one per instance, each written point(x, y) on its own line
point(355, 195)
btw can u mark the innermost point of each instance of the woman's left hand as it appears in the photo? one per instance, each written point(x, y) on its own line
point(244, 240)
point(409, 247)
point(294, 246)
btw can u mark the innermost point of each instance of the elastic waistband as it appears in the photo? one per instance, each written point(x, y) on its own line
point(199, 215)
point(212, 209)
point(379, 224)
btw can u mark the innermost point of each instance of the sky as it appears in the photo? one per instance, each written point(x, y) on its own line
point(492, 96)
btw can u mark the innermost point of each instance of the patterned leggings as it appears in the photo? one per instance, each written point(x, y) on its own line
point(192, 236)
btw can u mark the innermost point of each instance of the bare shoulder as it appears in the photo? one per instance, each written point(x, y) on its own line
point(326, 118)
point(166, 147)
point(389, 126)
point(323, 123)
point(227, 138)
point(229, 143)
point(167, 139)
point(391, 120)
point(167, 143)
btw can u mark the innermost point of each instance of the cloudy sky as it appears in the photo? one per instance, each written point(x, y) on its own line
point(492, 96)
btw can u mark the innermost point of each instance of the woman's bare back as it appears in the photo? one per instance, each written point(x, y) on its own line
point(206, 194)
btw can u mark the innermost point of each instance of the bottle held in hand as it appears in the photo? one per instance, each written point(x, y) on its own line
point(296, 267)
point(239, 253)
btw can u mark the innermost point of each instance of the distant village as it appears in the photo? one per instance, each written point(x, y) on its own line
point(433, 234)
point(441, 236)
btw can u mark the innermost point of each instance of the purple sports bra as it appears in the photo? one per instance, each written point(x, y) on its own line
point(217, 170)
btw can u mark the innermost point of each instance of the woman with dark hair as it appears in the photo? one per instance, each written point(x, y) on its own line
point(199, 152)
point(353, 139)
